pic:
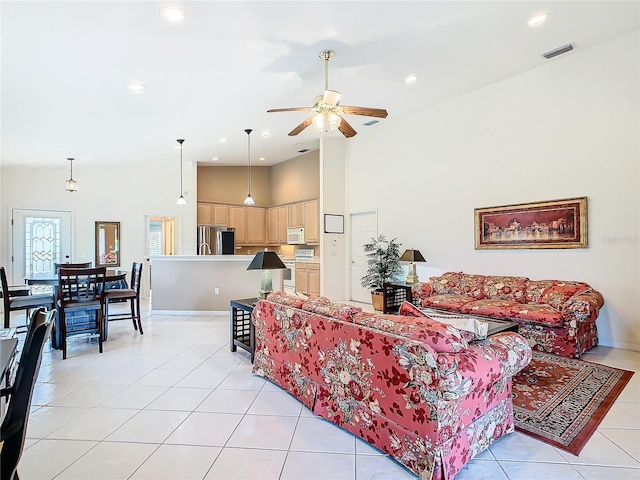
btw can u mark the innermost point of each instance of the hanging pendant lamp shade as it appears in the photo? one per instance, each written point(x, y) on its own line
point(71, 185)
point(249, 200)
point(181, 199)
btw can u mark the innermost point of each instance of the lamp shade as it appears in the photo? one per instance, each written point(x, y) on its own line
point(266, 261)
point(411, 255)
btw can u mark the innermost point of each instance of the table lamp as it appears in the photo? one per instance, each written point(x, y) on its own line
point(266, 261)
point(412, 256)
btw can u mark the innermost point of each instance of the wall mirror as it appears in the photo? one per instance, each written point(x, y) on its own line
point(108, 244)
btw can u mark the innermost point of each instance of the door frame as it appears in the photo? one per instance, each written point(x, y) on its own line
point(351, 246)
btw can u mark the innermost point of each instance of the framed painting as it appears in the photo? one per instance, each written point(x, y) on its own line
point(552, 224)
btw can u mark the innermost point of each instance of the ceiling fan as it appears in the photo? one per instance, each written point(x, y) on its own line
point(328, 111)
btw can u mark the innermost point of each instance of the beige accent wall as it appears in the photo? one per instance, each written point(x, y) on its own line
point(295, 180)
point(226, 184)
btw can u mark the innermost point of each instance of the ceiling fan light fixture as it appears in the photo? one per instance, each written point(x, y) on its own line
point(326, 121)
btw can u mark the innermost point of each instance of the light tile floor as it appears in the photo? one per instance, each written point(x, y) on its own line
point(175, 403)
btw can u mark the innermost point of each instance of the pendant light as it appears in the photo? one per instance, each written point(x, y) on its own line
point(181, 200)
point(249, 200)
point(71, 185)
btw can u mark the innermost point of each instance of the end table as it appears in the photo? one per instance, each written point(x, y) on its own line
point(242, 331)
point(393, 294)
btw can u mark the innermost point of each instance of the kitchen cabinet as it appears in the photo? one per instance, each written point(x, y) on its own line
point(311, 227)
point(213, 214)
point(296, 215)
point(273, 225)
point(283, 223)
point(256, 225)
point(238, 221)
point(308, 278)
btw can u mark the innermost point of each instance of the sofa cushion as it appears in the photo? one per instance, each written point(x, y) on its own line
point(542, 314)
point(447, 302)
point(505, 288)
point(535, 289)
point(440, 337)
point(488, 307)
point(341, 311)
point(472, 285)
point(557, 294)
point(282, 298)
point(449, 283)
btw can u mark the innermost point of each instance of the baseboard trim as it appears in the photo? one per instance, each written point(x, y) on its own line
point(193, 313)
point(606, 342)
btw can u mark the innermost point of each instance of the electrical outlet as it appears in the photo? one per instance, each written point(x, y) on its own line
point(83, 255)
point(216, 291)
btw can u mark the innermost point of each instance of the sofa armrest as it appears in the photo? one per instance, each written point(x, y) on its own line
point(486, 362)
point(420, 290)
point(583, 307)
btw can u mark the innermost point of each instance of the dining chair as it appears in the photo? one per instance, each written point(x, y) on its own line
point(14, 299)
point(56, 266)
point(131, 294)
point(20, 393)
point(80, 290)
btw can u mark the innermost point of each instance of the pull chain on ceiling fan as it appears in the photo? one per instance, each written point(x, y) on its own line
point(328, 116)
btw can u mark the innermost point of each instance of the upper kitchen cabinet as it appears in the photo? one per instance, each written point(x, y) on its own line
point(256, 225)
point(277, 223)
point(296, 215)
point(213, 214)
point(311, 226)
point(238, 221)
point(283, 222)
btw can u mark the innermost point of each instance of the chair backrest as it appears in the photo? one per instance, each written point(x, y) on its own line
point(5, 291)
point(57, 266)
point(136, 275)
point(81, 285)
point(14, 424)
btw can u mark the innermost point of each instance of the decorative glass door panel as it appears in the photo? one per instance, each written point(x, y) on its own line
point(40, 239)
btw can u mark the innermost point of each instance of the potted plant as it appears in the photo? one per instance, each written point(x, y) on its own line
point(383, 266)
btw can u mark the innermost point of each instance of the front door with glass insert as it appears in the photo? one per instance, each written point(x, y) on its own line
point(40, 239)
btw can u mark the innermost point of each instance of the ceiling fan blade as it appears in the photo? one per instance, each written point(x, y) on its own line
point(331, 97)
point(366, 111)
point(346, 129)
point(294, 109)
point(302, 126)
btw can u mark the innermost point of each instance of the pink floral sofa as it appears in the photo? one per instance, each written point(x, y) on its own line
point(429, 395)
point(554, 316)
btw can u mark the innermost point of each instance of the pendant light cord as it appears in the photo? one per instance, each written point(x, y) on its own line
point(180, 141)
point(248, 131)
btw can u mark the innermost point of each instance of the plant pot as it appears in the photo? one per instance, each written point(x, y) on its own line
point(376, 299)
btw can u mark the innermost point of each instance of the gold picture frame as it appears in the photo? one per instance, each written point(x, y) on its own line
point(550, 224)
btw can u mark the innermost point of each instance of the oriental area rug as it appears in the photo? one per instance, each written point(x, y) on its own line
point(561, 401)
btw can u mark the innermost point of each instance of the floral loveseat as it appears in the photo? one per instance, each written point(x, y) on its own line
point(429, 395)
point(554, 316)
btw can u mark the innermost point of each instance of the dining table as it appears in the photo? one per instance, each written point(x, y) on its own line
point(114, 278)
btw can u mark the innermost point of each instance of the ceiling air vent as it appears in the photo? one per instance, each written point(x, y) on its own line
point(304, 150)
point(370, 122)
point(558, 51)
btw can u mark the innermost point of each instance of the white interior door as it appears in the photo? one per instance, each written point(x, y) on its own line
point(40, 238)
point(364, 226)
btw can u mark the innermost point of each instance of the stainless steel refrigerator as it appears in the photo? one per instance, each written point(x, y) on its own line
point(216, 240)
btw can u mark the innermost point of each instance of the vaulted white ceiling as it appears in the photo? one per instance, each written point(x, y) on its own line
point(66, 68)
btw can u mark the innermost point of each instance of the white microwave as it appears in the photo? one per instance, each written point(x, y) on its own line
point(295, 236)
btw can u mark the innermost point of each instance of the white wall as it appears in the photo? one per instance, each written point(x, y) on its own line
point(566, 129)
point(120, 194)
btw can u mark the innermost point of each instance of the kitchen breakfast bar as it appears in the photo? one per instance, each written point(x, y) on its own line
point(203, 284)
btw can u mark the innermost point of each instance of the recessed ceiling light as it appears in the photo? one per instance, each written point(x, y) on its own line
point(262, 159)
point(538, 19)
point(215, 159)
point(173, 14)
point(137, 87)
point(224, 140)
point(266, 134)
point(410, 79)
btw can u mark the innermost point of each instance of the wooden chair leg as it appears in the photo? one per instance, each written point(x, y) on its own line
point(133, 314)
point(100, 328)
point(7, 318)
point(139, 315)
